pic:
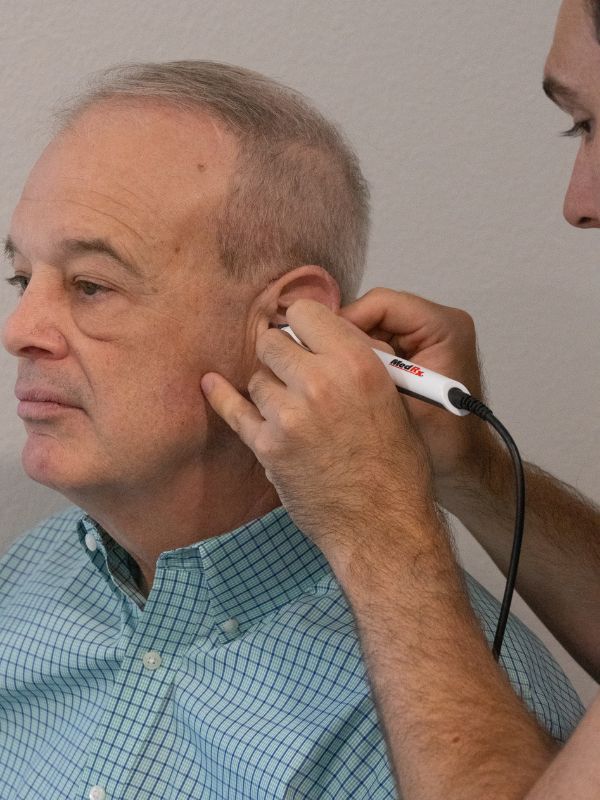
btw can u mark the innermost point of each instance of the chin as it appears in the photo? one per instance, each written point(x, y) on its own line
point(45, 461)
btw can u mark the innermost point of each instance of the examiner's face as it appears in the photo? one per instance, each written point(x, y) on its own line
point(572, 79)
point(124, 305)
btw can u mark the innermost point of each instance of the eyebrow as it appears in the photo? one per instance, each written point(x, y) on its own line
point(560, 94)
point(71, 248)
point(9, 248)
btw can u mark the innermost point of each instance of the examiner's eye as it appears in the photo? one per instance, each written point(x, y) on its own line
point(582, 128)
point(20, 281)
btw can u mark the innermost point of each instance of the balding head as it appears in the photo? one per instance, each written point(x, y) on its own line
point(297, 195)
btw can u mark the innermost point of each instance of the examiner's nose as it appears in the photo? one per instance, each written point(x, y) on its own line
point(32, 330)
point(582, 201)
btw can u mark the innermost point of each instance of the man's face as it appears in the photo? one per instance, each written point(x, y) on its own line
point(125, 305)
point(572, 80)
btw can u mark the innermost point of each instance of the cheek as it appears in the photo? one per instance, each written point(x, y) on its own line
point(180, 403)
point(165, 394)
point(169, 393)
point(152, 381)
point(103, 317)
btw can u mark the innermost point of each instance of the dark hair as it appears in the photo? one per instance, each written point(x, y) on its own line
point(594, 9)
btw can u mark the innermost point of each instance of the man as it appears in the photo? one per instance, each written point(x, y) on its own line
point(453, 725)
point(175, 634)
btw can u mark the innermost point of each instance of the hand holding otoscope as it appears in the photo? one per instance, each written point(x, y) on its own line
point(300, 432)
point(432, 387)
point(415, 381)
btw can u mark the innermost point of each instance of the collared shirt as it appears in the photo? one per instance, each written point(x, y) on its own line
point(239, 677)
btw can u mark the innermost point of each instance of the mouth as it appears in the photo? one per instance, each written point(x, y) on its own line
point(37, 404)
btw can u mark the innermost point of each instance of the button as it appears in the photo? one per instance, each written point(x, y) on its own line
point(230, 627)
point(97, 793)
point(91, 544)
point(152, 659)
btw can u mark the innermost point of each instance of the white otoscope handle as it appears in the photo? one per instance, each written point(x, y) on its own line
point(420, 382)
point(413, 380)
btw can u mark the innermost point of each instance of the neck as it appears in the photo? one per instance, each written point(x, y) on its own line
point(204, 501)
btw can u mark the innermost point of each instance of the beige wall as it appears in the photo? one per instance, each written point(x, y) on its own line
point(443, 102)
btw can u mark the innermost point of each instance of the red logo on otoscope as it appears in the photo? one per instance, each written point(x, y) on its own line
point(412, 368)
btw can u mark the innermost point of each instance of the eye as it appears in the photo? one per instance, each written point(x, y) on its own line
point(90, 289)
point(20, 281)
point(583, 128)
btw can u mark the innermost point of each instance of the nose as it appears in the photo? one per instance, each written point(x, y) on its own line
point(582, 201)
point(33, 330)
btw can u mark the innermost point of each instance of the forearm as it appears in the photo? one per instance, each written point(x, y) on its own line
point(575, 772)
point(474, 478)
point(455, 729)
point(560, 560)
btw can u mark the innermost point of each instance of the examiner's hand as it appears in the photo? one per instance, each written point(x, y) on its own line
point(330, 430)
point(442, 339)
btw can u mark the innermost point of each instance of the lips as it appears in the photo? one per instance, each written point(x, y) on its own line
point(41, 406)
point(39, 395)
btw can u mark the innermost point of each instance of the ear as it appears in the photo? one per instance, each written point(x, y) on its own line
point(269, 307)
point(307, 282)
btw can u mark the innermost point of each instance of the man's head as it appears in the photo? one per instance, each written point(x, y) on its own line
point(297, 195)
point(178, 211)
point(572, 80)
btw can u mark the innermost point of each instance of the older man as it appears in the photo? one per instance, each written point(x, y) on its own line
point(455, 729)
point(175, 634)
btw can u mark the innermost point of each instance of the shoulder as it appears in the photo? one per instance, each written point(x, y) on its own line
point(40, 548)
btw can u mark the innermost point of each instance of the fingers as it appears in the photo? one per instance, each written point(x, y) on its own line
point(322, 331)
point(268, 393)
point(410, 322)
point(388, 310)
point(241, 416)
point(284, 357)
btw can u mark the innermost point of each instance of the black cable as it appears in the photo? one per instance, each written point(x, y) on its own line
point(462, 400)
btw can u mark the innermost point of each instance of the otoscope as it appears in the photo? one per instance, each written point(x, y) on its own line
point(432, 387)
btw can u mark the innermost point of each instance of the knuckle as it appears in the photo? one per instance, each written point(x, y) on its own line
point(253, 383)
point(466, 318)
point(234, 418)
point(465, 322)
point(288, 419)
point(362, 369)
point(257, 388)
point(317, 390)
point(268, 343)
point(262, 448)
point(269, 449)
point(384, 293)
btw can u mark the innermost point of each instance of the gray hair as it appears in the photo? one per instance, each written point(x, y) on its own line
point(297, 196)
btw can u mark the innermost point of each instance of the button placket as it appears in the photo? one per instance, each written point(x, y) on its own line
point(145, 675)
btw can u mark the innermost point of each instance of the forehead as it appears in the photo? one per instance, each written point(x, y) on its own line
point(574, 57)
point(144, 164)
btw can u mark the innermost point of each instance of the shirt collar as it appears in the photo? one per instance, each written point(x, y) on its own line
point(248, 572)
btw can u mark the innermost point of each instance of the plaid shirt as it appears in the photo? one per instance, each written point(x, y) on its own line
point(239, 677)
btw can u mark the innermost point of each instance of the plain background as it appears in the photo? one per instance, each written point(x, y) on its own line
point(443, 103)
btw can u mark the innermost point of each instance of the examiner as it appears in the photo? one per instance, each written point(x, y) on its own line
point(454, 727)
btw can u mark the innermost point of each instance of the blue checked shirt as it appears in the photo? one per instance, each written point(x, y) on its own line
point(239, 677)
